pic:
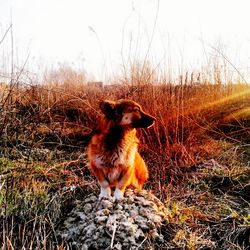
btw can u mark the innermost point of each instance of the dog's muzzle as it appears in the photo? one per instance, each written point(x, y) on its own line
point(145, 121)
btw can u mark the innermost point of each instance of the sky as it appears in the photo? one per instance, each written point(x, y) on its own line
point(101, 37)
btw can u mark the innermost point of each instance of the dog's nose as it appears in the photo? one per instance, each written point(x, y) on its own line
point(148, 120)
point(154, 119)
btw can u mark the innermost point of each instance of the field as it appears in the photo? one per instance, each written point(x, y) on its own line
point(198, 156)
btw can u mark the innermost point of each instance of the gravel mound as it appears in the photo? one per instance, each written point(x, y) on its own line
point(131, 223)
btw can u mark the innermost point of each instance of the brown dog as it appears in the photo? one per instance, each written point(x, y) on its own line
point(112, 152)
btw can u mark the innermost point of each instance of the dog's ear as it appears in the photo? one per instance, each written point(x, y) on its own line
point(108, 108)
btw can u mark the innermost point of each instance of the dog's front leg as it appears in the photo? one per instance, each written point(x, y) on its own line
point(104, 185)
point(105, 190)
point(123, 183)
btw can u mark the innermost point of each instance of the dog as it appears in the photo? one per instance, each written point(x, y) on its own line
point(113, 150)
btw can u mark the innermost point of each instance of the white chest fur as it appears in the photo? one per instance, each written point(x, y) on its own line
point(117, 158)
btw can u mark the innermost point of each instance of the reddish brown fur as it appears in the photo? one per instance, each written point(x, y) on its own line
point(112, 152)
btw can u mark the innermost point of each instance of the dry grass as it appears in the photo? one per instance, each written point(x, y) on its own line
point(197, 152)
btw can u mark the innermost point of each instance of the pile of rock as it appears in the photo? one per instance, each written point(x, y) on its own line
point(128, 224)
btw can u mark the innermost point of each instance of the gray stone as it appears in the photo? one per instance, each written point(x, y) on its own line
point(157, 219)
point(102, 212)
point(70, 220)
point(84, 247)
point(106, 204)
point(87, 208)
point(130, 200)
point(118, 246)
point(144, 212)
point(101, 219)
point(150, 224)
point(93, 198)
point(89, 229)
point(139, 234)
point(81, 216)
point(119, 207)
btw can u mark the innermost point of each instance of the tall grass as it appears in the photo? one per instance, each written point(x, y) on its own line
point(63, 111)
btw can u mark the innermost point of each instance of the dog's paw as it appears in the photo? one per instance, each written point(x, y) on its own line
point(105, 193)
point(118, 194)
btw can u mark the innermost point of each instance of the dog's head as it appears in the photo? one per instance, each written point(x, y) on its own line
point(126, 113)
